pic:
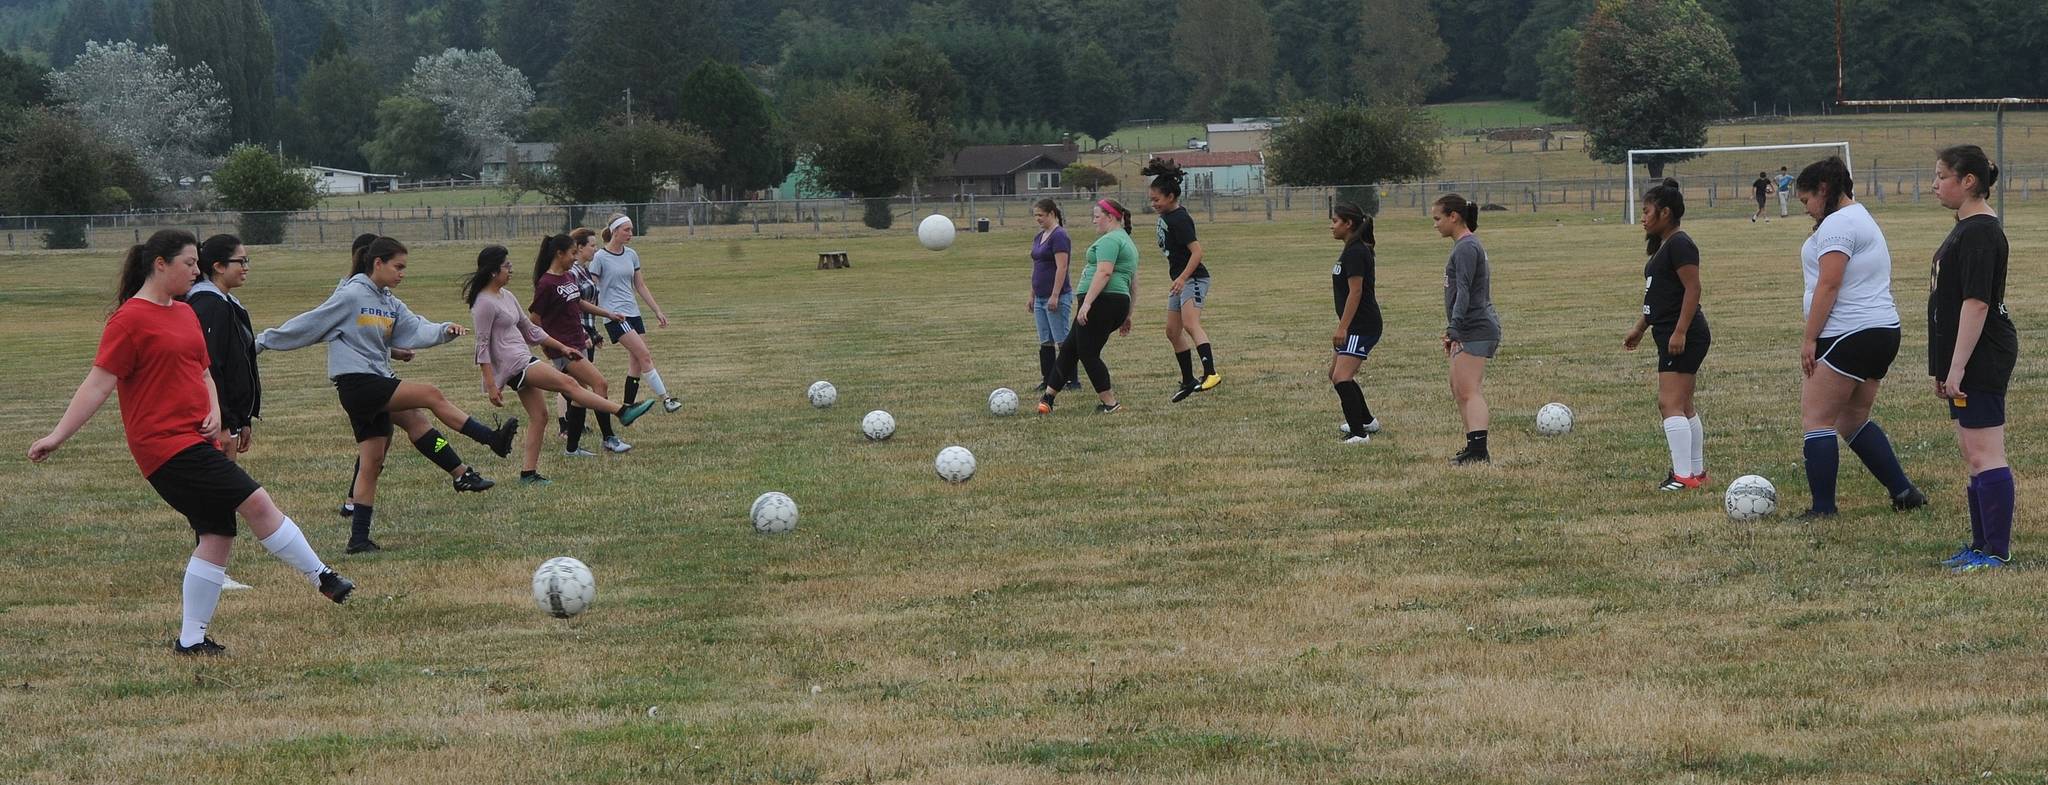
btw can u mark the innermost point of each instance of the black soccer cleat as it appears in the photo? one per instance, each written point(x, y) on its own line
point(365, 545)
point(1910, 500)
point(1469, 456)
point(348, 511)
point(503, 439)
point(1186, 389)
point(472, 482)
point(336, 587)
point(204, 648)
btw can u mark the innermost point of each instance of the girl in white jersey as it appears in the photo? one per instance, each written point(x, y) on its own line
point(1851, 338)
point(617, 268)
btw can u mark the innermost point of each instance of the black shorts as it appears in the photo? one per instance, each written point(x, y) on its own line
point(205, 487)
point(1978, 410)
point(518, 380)
point(1864, 355)
point(1697, 341)
point(366, 396)
point(617, 330)
point(1359, 346)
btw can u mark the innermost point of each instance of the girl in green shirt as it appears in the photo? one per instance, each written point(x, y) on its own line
point(1106, 287)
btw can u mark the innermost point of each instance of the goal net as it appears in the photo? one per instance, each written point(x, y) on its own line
point(1731, 169)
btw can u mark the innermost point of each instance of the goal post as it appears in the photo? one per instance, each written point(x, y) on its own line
point(1629, 216)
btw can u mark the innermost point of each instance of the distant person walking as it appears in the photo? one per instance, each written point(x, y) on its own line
point(1784, 184)
point(1471, 325)
point(1761, 189)
point(1972, 348)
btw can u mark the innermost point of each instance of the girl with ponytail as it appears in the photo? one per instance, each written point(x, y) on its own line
point(1471, 326)
point(1972, 348)
point(154, 353)
point(1189, 291)
point(1108, 284)
point(1358, 318)
point(621, 289)
point(1052, 298)
point(1678, 328)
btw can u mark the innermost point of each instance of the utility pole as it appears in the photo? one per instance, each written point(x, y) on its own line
point(629, 107)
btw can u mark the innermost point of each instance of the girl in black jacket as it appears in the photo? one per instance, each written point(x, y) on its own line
point(230, 341)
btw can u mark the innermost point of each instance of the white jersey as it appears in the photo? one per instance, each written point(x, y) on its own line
point(1865, 300)
point(615, 280)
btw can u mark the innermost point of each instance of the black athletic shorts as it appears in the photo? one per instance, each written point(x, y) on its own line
point(364, 396)
point(617, 330)
point(1864, 355)
point(1697, 342)
point(205, 486)
point(518, 380)
point(1978, 410)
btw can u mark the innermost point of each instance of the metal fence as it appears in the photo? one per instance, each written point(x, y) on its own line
point(842, 217)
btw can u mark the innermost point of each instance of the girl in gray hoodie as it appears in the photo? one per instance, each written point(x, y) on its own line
point(1471, 326)
point(361, 323)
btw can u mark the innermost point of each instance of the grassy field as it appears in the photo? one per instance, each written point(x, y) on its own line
point(1209, 592)
point(481, 196)
point(1490, 114)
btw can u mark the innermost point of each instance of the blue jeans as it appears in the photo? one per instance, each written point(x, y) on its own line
point(1053, 322)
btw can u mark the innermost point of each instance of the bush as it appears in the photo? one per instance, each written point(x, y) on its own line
point(1355, 145)
point(265, 188)
point(877, 214)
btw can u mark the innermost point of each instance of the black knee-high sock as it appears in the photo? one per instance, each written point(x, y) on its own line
point(1208, 359)
point(352, 475)
point(1996, 496)
point(604, 424)
point(1187, 366)
point(438, 450)
point(632, 389)
point(475, 429)
point(1875, 448)
point(577, 415)
point(359, 524)
point(1353, 400)
point(1048, 357)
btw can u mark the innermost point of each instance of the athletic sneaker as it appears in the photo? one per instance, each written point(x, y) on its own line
point(502, 440)
point(578, 453)
point(347, 510)
point(1209, 382)
point(1109, 408)
point(1468, 456)
point(1673, 482)
point(1979, 563)
point(633, 411)
point(1359, 439)
point(1073, 384)
point(230, 584)
point(670, 405)
point(1045, 404)
point(366, 546)
point(1912, 499)
point(614, 445)
point(204, 648)
point(1964, 555)
point(1370, 428)
point(336, 587)
point(534, 479)
point(472, 482)
point(1811, 516)
point(1186, 389)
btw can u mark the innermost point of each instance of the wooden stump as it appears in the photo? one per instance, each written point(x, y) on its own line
point(833, 260)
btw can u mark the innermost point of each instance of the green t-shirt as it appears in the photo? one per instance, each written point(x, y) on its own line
point(1117, 247)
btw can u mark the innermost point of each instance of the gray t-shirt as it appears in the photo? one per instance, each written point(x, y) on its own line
point(1468, 294)
point(615, 280)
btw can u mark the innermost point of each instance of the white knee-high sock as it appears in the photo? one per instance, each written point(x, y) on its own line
point(202, 594)
point(653, 379)
point(290, 547)
point(1699, 445)
point(1678, 434)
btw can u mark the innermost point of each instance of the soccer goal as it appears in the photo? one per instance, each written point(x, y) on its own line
point(1630, 214)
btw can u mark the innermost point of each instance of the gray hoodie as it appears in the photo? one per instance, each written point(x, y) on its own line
point(1468, 294)
point(360, 323)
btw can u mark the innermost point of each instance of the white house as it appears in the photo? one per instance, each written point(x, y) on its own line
point(498, 165)
point(329, 180)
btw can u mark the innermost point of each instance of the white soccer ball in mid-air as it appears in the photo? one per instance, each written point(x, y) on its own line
point(563, 587)
point(1554, 419)
point(1002, 402)
point(773, 513)
point(955, 464)
point(823, 394)
point(935, 232)
point(878, 425)
point(1750, 497)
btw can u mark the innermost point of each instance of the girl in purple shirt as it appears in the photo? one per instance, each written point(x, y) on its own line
point(1052, 297)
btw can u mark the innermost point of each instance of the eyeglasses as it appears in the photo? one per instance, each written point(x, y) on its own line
point(241, 260)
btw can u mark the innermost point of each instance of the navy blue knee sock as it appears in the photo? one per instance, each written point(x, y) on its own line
point(1976, 516)
point(1871, 445)
point(1823, 460)
point(475, 429)
point(1995, 497)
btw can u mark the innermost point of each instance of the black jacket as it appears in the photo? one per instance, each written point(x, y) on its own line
point(231, 345)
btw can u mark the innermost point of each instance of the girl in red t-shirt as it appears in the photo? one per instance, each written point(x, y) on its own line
point(154, 354)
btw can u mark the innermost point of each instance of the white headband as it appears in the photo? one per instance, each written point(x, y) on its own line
point(618, 222)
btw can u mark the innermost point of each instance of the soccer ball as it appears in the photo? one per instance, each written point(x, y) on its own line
point(1750, 497)
point(878, 425)
point(773, 513)
point(823, 394)
point(563, 587)
point(935, 232)
point(955, 464)
point(1002, 402)
point(1554, 419)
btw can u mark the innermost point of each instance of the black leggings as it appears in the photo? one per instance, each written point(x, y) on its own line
point(1084, 343)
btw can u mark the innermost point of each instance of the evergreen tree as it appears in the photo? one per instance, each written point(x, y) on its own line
point(528, 34)
point(1651, 74)
point(233, 38)
point(1220, 42)
point(1097, 92)
point(718, 99)
point(337, 107)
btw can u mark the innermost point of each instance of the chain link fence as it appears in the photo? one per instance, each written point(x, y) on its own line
point(842, 217)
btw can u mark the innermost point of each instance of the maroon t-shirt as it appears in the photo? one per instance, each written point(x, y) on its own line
point(555, 303)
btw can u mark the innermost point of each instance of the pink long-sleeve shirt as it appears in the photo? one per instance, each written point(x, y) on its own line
point(503, 336)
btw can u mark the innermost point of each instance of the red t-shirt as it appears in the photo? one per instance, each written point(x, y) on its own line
point(555, 303)
point(158, 354)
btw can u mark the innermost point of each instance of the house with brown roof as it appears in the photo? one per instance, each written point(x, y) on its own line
point(1002, 170)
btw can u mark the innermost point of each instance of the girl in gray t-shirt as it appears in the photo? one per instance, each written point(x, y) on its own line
point(1471, 326)
point(617, 269)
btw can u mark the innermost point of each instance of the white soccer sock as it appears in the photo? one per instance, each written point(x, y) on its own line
point(653, 379)
point(1678, 433)
point(202, 594)
point(290, 546)
point(1699, 445)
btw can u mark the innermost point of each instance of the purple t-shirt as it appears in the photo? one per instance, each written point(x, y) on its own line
point(1043, 263)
